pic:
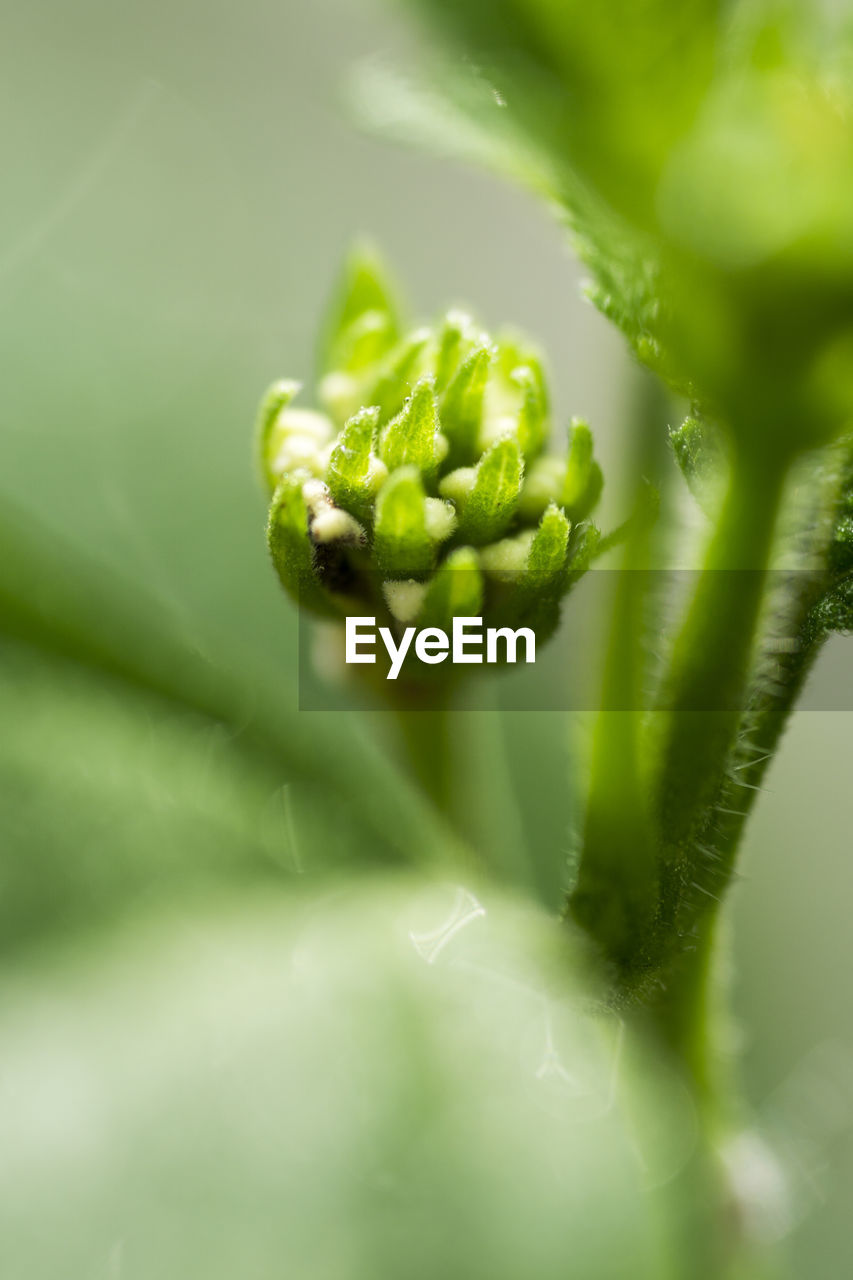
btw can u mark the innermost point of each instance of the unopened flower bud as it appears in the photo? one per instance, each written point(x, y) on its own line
point(424, 489)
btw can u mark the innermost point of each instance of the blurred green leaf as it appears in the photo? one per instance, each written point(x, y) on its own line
point(207, 1100)
point(132, 763)
point(703, 159)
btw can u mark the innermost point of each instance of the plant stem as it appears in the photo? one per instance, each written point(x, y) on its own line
point(704, 701)
point(616, 891)
point(764, 729)
point(704, 695)
point(425, 733)
point(683, 1018)
point(617, 885)
point(458, 759)
point(682, 1012)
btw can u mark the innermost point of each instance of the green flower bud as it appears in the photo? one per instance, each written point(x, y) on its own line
point(462, 403)
point(487, 510)
point(574, 483)
point(549, 547)
point(584, 481)
point(456, 592)
point(425, 489)
point(354, 473)
point(364, 304)
point(412, 437)
point(402, 545)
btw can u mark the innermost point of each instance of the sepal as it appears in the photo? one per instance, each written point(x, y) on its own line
point(354, 472)
point(489, 507)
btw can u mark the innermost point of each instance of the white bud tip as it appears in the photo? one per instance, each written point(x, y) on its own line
point(404, 599)
point(334, 525)
point(440, 519)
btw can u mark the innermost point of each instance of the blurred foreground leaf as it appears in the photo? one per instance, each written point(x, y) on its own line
point(132, 765)
point(388, 1082)
point(703, 158)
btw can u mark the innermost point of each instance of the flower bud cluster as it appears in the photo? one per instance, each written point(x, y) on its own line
point(423, 488)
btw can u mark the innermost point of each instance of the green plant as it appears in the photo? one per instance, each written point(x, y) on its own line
point(329, 995)
point(424, 489)
point(703, 165)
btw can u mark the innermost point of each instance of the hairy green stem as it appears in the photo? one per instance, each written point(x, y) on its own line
point(663, 957)
point(763, 732)
point(786, 670)
point(682, 1016)
point(704, 694)
point(714, 847)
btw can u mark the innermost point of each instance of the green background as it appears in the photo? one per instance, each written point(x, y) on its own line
point(181, 181)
